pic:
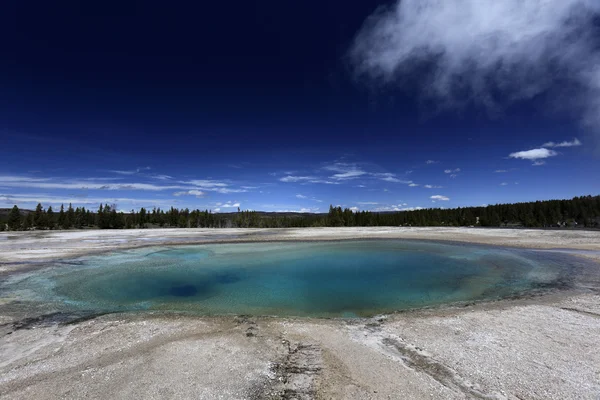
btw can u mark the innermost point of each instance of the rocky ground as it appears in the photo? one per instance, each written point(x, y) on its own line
point(536, 348)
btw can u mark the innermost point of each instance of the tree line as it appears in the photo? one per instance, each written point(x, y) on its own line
point(577, 212)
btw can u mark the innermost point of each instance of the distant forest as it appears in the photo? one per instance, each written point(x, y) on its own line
point(581, 212)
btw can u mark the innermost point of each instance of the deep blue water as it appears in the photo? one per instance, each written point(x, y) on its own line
point(348, 278)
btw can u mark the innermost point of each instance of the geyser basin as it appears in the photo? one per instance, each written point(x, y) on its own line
point(349, 278)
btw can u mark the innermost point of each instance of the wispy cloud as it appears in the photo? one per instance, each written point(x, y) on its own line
point(429, 162)
point(299, 210)
point(162, 177)
point(499, 171)
point(194, 192)
point(573, 143)
point(432, 187)
point(487, 52)
point(301, 196)
point(31, 199)
point(439, 197)
point(345, 171)
point(88, 185)
point(291, 178)
point(18, 178)
point(389, 177)
point(96, 184)
point(131, 172)
point(452, 171)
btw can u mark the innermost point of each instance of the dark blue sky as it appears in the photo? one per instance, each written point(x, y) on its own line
point(268, 105)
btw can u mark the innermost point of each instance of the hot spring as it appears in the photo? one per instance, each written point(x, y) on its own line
point(321, 279)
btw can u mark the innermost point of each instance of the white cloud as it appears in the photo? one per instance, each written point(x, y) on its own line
point(452, 171)
point(32, 199)
point(398, 207)
point(499, 171)
point(413, 184)
point(439, 197)
point(226, 190)
point(432, 187)
point(301, 196)
point(538, 163)
point(574, 142)
point(388, 177)
point(192, 192)
point(162, 177)
point(533, 154)
point(13, 178)
point(503, 184)
point(431, 162)
point(348, 174)
point(345, 171)
point(291, 178)
point(354, 209)
point(87, 184)
point(300, 210)
point(206, 183)
point(131, 172)
point(229, 204)
point(487, 52)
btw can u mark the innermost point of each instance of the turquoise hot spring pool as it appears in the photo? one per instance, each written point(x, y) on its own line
point(319, 279)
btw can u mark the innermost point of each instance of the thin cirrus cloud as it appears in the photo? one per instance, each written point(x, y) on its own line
point(345, 171)
point(573, 143)
point(131, 172)
point(487, 52)
point(46, 199)
point(194, 192)
point(95, 184)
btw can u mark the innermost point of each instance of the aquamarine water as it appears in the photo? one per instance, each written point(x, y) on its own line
point(326, 279)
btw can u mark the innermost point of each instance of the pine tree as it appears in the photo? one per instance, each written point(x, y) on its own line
point(25, 224)
point(50, 217)
point(14, 219)
point(61, 217)
point(39, 217)
point(100, 216)
point(70, 218)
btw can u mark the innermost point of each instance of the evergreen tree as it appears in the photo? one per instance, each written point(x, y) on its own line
point(50, 218)
point(61, 217)
point(39, 217)
point(70, 217)
point(25, 225)
point(14, 219)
